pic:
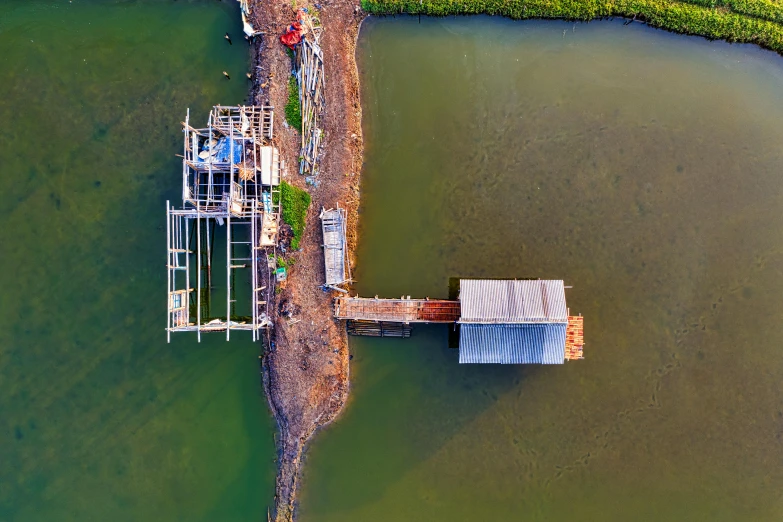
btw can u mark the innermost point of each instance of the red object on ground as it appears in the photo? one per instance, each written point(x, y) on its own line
point(292, 36)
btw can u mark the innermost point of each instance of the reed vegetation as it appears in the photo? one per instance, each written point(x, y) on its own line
point(753, 21)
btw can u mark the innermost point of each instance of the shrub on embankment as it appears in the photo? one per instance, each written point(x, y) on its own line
point(754, 21)
point(295, 203)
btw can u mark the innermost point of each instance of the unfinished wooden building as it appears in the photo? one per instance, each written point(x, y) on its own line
point(230, 187)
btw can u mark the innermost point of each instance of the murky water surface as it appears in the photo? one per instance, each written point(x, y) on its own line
point(645, 169)
point(100, 419)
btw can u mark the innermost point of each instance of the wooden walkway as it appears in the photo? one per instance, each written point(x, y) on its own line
point(397, 310)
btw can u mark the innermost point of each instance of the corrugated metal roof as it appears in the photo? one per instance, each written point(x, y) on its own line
point(512, 344)
point(509, 302)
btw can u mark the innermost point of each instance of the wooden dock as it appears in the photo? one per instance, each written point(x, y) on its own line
point(403, 310)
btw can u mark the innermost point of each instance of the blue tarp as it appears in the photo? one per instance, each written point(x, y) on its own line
point(266, 197)
point(222, 151)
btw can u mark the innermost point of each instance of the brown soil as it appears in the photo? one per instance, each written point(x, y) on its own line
point(306, 371)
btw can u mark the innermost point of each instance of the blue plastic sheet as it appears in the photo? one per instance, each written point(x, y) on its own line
point(223, 148)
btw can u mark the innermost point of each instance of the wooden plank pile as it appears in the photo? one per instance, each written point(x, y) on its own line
point(310, 77)
point(575, 339)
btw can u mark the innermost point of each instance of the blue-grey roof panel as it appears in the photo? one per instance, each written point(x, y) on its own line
point(512, 343)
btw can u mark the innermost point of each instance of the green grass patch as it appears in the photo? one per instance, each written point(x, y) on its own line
point(752, 21)
point(286, 263)
point(293, 109)
point(295, 203)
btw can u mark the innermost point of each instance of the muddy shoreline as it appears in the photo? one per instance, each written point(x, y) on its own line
point(306, 370)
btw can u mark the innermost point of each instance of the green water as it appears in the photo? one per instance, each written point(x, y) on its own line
point(100, 419)
point(645, 169)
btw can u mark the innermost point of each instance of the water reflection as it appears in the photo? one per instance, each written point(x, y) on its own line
point(641, 167)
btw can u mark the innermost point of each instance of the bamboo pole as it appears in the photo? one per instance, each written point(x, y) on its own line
point(187, 269)
point(185, 153)
point(253, 255)
point(168, 272)
point(228, 272)
point(198, 267)
point(210, 182)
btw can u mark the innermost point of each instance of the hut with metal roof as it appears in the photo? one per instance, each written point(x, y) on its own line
point(513, 322)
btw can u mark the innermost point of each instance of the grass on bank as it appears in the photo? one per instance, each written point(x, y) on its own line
point(295, 203)
point(752, 21)
point(293, 108)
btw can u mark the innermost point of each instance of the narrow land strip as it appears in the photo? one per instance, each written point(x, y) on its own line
point(306, 372)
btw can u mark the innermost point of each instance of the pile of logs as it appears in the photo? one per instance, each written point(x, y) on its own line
point(310, 77)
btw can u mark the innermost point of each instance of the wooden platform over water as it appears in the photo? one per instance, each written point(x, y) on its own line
point(404, 310)
point(379, 329)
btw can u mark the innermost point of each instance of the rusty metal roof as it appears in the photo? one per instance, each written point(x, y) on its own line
point(488, 301)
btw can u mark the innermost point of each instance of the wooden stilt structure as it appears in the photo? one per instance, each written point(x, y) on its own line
point(224, 182)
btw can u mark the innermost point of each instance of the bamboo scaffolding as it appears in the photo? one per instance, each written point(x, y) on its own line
point(198, 272)
point(229, 191)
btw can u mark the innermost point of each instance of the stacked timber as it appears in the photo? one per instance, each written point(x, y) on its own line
point(575, 338)
point(310, 77)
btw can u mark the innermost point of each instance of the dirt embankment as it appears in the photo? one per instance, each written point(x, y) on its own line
point(306, 372)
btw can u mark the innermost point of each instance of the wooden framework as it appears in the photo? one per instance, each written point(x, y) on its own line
point(224, 160)
point(225, 183)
